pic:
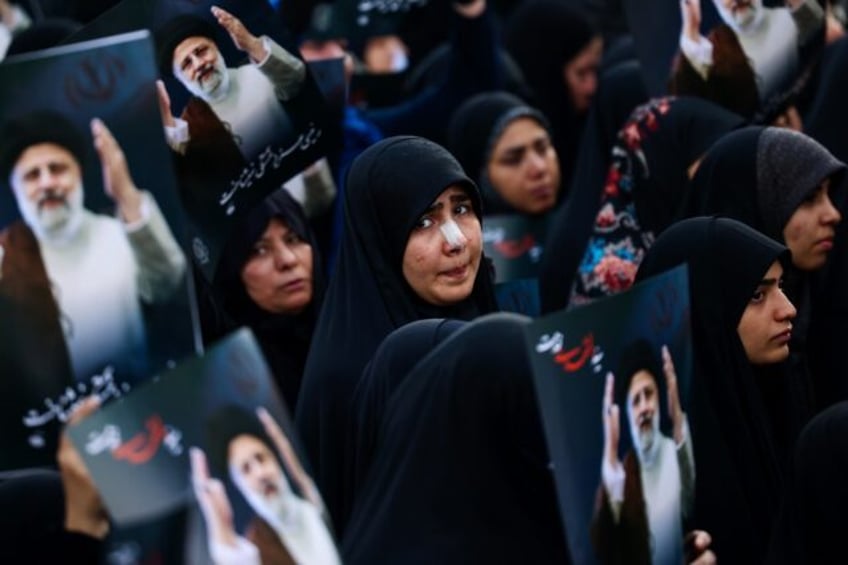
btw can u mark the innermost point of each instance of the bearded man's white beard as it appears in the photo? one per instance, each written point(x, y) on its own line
point(744, 20)
point(278, 509)
point(646, 442)
point(213, 87)
point(59, 223)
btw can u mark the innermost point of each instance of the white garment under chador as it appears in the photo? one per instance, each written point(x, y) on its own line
point(98, 279)
point(303, 533)
point(668, 490)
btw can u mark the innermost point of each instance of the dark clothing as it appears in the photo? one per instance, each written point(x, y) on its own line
point(811, 525)
point(644, 189)
point(619, 92)
point(34, 359)
point(628, 540)
point(731, 82)
point(543, 36)
point(389, 187)
point(395, 358)
point(739, 472)
point(461, 471)
point(284, 338)
point(761, 176)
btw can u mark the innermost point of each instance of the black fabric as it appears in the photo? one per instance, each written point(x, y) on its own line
point(828, 113)
point(284, 338)
point(475, 129)
point(389, 186)
point(32, 527)
point(761, 176)
point(739, 478)
point(461, 471)
point(686, 133)
point(811, 525)
point(543, 36)
point(42, 34)
point(647, 180)
point(620, 90)
point(42, 126)
point(397, 355)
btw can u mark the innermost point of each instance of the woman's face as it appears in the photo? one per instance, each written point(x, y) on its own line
point(524, 168)
point(766, 325)
point(444, 249)
point(278, 274)
point(810, 230)
point(581, 75)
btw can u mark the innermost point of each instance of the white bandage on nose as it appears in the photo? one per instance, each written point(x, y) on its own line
point(453, 235)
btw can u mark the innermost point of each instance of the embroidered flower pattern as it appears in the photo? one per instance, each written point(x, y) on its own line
point(618, 243)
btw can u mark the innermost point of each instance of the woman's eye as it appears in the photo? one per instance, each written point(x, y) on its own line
point(423, 223)
point(758, 297)
point(462, 209)
point(260, 250)
point(292, 238)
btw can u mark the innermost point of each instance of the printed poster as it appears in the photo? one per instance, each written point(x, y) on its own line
point(613, 380)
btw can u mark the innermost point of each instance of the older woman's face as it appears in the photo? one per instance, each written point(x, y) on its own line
point(444, 250)
point(766, 324)
point(524, 168)
point(278, 274)
point(810, 230)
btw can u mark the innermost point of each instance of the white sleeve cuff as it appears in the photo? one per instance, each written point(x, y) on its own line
point(243, 553)
point(698, 53)
point(144, 211)
point(613, 482)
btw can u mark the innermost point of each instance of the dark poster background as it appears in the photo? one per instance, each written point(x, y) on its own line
point(110, 79)
point(571, 354)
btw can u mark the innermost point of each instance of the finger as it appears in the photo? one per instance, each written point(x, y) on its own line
point(103, 138)
point(702, 540)
point(85, 409)
point(199, 466)
point(223, 16)
point(164, 98)
point(610, 384)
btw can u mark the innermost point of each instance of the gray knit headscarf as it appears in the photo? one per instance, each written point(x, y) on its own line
point(789, 166)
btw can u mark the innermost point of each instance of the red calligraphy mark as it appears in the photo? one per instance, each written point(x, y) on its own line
point(144, 445)
point(573, 359)
point(513, 249)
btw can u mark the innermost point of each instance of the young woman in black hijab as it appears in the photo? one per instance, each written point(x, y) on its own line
point(811, 525)
point(787, 186)
point(741, 326)
point(460, 472)
point(412, 249)
point(620, 91)
point(505, 146)
point(652, 161)
point(271, 280)
point(559, 52)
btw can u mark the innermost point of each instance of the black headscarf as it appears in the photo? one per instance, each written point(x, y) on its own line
point(828, 114)
point(389, 186)
point(644, 190)
point(284, 338)
point(739, 474)
point(811, 526)
point(543, 36)
point(619, 92)
point(474, 131)
point(394, 359)
point(461, 473)
point(761, 175)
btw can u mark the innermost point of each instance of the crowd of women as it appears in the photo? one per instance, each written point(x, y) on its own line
point(413, 396)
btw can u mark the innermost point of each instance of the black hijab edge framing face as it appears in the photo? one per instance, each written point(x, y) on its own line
point(732, 437)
